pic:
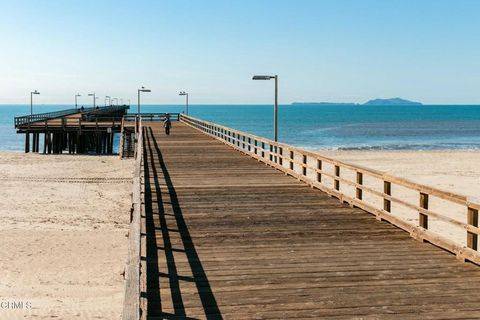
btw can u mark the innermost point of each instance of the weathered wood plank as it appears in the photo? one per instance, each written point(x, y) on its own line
point(228, 237)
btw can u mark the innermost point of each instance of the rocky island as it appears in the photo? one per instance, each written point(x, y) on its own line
point(373, 102)
point(392, 102)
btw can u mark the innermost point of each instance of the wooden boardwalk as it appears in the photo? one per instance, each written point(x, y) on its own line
point(229, 237)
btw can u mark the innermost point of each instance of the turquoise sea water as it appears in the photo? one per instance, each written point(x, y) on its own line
point(318, 126)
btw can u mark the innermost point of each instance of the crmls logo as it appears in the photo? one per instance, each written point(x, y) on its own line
point(15, 305)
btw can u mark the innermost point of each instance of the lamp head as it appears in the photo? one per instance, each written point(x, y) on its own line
point(263, 77)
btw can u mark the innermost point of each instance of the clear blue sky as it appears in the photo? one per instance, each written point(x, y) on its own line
point(427, 50)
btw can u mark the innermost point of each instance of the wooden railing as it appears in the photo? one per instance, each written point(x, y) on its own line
point(107, 109)
point(133, 272)
point(427, 213)
point(22, 120)
point(25, 120)
point(153, 116)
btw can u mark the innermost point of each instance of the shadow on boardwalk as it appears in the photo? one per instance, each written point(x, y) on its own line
point(161, 205)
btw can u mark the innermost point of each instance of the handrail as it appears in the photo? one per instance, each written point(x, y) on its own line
point(107, 109)
point(311, 168)
point(153, 116)
point(131, 304)
point(23, 120)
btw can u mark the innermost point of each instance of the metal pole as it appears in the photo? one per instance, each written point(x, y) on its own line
point(138, 107)
point(31, 103)
point(76, 107)
point(275, 113)
point(187, 104)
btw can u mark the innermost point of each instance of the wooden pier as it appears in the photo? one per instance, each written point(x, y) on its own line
point(89, 130)
point(229, 225)
point(83, 131)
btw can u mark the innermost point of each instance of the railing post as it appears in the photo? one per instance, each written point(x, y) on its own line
point(271, 152)
point(423, 218)
point(280, 158)
point(292, 156)
point(255, 148)
point(304, 166)
point(337, 175)
point(359, 191)
point(249, 144)
point(263, 149)
point(387, 189)
point(472, 219)
point(243, 142)
point(319, 167)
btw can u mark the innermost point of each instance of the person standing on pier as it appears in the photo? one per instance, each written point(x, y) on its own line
point(167, 124)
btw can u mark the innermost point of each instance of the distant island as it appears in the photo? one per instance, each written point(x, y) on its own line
point(328, 103)
point(373, 102)
point(392, 102)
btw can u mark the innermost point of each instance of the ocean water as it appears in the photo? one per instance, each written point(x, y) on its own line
point(426, 127)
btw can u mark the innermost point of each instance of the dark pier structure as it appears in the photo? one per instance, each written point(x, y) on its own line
point(84, 131)
point(81, 131)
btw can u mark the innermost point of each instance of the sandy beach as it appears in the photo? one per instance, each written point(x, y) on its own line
point(64, 221)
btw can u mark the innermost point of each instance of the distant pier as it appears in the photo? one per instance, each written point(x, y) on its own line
point(82, 131)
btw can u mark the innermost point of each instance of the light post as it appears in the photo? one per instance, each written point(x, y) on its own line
point(31, 100)
point(113, 99)
point(183, 93)
point(275, 111)
point(94, 98)
point(121, 101)
point(76, 96)
point(109, 101)
point(141, 90)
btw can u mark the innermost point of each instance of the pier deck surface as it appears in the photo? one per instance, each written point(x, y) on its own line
point(229, 237)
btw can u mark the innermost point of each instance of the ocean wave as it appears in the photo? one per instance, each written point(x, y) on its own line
point(400, 146)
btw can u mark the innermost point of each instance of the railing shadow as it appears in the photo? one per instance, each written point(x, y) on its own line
point(158, 184)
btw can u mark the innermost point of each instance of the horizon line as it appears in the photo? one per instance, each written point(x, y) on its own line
point(339, 104)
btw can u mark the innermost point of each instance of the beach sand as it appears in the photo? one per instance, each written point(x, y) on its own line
point(63, 226)
point(453, 171)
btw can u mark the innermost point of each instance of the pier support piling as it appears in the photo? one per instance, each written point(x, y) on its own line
point(27, 142)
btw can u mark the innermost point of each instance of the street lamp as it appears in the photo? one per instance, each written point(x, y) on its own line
point(76, 96)
point(141, 90)
point(109, 101)
point(183, 93)
point(31, 100)
point(114, 102)
point(94, 98)
point(275, 112)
